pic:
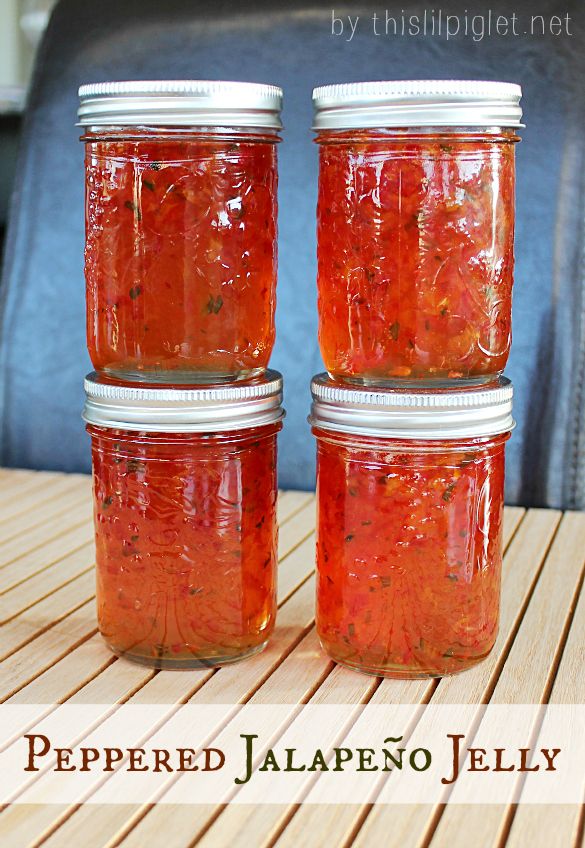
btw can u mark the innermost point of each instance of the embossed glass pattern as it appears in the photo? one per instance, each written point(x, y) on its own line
point(186, 543)
point(180, 257)
point(415, 254)
point(409, 551)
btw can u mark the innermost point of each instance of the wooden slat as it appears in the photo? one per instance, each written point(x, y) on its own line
point(43, 583)
point(521, 567)
point(299, 604)
point(558, 824)
point(75, 564)
point(313, 824)
point(9, 475)
point(19, 485)
point(46, 581)
point(230, 821)
point(299, 564)
point(67, 674)
point(301, 560)
point(45, 612)
point(234, 824)
point(300, 526)
point(316, 823)
point(293, 681)
point(15, 668)
point(54, 593)
point(53, 656)
point(44, 555)
point(291, 502)
point(513, 515)
point(531, 665)
point(44, 652)
point(234, 684)
point(51, 499)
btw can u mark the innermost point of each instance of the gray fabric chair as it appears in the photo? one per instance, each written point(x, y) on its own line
point(42, 354)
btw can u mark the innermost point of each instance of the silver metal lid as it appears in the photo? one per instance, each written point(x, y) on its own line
point(417, 103)
point(405, 414)
point(180, 103)
point(202, 410)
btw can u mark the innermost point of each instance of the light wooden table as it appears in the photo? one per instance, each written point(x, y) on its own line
point(51, 653)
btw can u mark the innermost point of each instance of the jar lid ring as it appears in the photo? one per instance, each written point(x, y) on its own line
point(417, 103)
point(407, 414)
point(180, 103)
point(202, 409)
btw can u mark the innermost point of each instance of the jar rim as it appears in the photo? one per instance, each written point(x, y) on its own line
point(409, 103)
point(202, 409)
point(412, 415)
point(180, 103)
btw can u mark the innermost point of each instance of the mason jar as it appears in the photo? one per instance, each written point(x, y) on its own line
point(410, 500)
point(185, 492)
point(416, 230)
point(180, 254)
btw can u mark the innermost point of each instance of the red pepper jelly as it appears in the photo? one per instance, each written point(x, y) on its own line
point(416, 230)
point(410, 493)
point(180, 256)
point(185, 494)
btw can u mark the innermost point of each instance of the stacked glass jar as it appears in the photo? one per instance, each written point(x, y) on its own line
point(180, 266)
point(415, 263)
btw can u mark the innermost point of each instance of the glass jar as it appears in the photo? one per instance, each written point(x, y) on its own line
point(410, 493)
point(180, 255)
point(185, 494)
point(416, 230)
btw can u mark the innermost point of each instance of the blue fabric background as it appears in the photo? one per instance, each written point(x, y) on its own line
point(42, 353)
